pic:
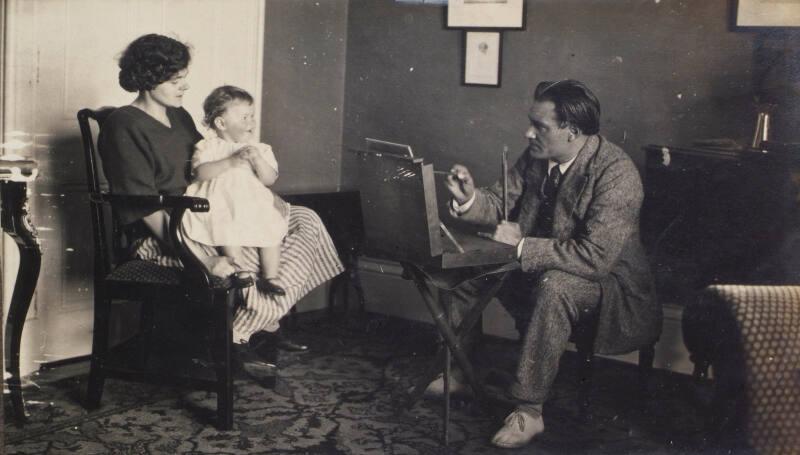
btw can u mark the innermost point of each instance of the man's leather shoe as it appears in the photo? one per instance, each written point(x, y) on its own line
point(518, 430)
point(457, 388)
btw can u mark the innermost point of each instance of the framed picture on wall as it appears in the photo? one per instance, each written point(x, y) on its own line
point(482, 55)
point(508, 14)
point(766, 13)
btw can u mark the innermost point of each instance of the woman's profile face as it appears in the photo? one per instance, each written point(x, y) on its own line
point(170, 93)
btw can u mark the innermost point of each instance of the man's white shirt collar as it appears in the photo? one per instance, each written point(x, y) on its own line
point(563, 166)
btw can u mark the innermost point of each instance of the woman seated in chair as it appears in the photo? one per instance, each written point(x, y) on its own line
point(146, 148)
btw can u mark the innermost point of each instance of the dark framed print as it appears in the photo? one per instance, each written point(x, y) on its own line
point(507, 14)
point(482, 58)
point(754, 14)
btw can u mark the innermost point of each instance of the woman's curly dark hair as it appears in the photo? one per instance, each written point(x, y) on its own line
point(151, 60)
point(217, 101)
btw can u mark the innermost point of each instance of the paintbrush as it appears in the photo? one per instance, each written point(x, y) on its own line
point(505, 182)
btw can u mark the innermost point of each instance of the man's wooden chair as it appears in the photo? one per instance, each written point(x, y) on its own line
point(583, 337)
point(205, 302)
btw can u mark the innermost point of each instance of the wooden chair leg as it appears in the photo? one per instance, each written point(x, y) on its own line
point(94, 392)
point(222, 350)
point(224, 373)
point(646, 357)
point(333, 293)
point(355, 279)
point(585, 367)
point(292, 319)
point(701, 366)
point(346, 296)
point(146, 327)
point(225, 393)
point(341, 284)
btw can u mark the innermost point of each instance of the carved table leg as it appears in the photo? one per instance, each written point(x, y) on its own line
point(16, 223)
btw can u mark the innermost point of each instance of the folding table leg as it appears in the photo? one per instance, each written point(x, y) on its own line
point(465, 326)
point(445, 329)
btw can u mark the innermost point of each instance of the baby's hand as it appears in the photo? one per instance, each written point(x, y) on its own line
point(248, 152)
point(241, 157)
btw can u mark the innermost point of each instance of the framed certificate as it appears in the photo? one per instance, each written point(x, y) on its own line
point(507, 14)
point(766, 13)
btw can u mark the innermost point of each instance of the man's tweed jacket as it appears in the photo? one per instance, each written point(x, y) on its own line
point(596, 236)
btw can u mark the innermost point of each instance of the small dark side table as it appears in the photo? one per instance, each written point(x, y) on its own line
point(340, 212)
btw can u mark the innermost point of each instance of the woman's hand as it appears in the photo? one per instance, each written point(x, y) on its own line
point(281, 206)
point(460, 184)
point(248, 152)
point(244, 156)
point(220, 266)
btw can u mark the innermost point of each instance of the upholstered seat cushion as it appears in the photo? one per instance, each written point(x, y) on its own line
point(138, 271)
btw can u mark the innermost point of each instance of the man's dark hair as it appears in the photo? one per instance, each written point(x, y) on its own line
point(574, 103)
point(151, 60)
point(217, 101)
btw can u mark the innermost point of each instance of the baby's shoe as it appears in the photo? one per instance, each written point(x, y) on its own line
point(266, 285)
point(242, 280)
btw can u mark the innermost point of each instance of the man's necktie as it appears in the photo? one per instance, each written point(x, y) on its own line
point(544, 220)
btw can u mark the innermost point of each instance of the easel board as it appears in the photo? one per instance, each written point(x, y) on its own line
point(398, 204)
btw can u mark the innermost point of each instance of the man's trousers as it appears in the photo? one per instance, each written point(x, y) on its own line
point(546, 307)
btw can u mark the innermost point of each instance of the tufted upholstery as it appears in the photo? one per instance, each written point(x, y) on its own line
point(751, 336)
point(142, 272)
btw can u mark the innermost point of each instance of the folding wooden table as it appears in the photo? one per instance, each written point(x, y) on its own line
point(401, 223)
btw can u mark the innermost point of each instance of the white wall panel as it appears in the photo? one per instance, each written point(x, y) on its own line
point(62, 56)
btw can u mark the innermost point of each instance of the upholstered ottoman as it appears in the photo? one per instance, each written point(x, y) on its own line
point(750, 336)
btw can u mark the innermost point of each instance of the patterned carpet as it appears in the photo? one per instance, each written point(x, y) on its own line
point(344, 397)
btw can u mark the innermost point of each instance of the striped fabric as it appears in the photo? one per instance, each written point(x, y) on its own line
point(308, 259)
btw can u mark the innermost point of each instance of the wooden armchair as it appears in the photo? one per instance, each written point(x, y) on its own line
point(204, 302)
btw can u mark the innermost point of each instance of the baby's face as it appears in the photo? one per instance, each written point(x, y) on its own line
point(239, 121)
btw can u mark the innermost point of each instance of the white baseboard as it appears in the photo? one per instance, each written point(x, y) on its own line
point(387, 293)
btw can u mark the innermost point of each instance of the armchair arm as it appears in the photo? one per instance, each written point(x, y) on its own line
point(199, 280)
point(194, 204)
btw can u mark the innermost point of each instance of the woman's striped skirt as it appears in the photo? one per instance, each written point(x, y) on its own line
point(308, 259)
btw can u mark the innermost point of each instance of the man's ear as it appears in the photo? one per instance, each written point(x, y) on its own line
point(219, 123)
point(573, 132)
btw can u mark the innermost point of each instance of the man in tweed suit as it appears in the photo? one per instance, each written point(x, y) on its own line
point(574, 201)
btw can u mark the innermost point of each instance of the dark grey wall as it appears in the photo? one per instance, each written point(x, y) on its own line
point(304, 68)
point(666, 72)
point(777, 76)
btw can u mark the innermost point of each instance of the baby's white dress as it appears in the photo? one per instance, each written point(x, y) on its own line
point(242, 210)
